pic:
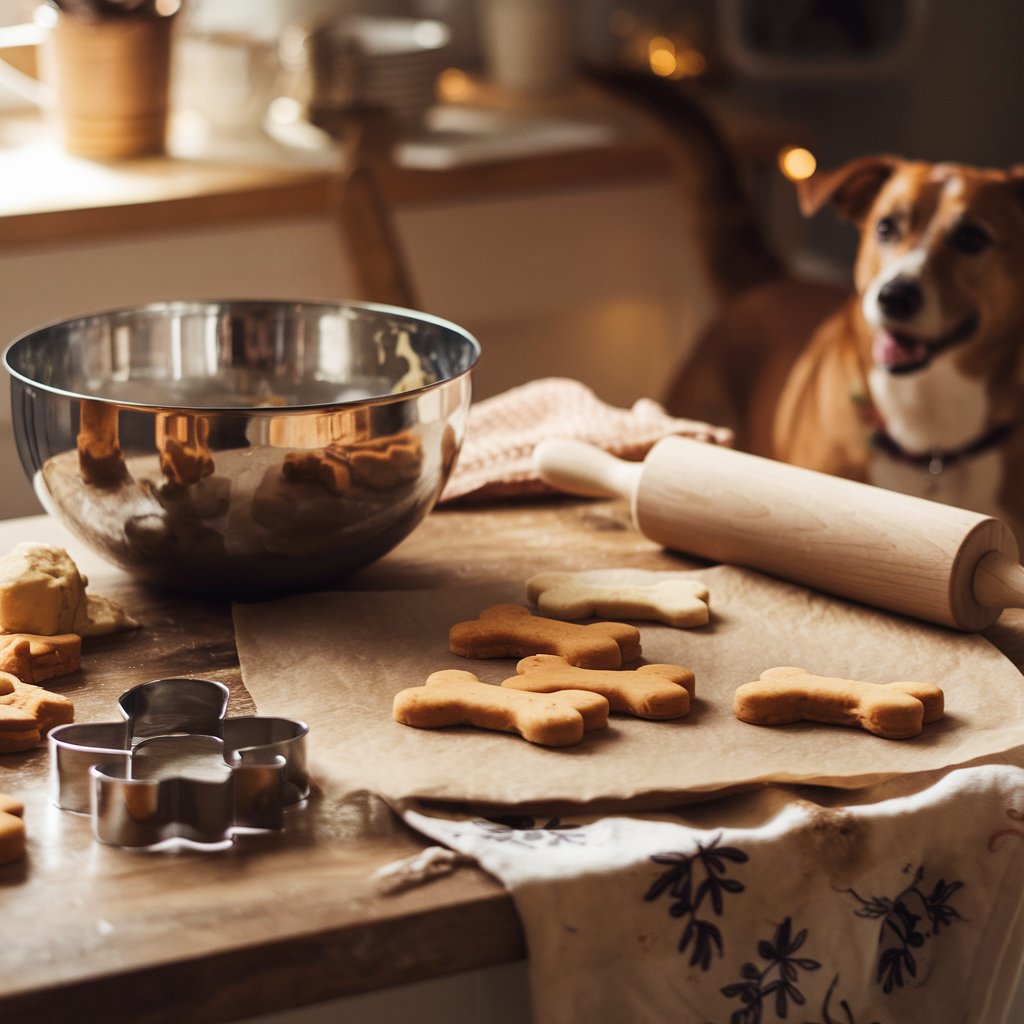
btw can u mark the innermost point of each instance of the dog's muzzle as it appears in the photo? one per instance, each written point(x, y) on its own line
point(899, 352)
point(900, 299)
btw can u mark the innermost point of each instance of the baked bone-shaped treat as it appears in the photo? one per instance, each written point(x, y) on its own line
point(651, 691)
point(12, 829)
point(511, 631)
point(19, 730)
point(678, 601)
point(453, 697)
point(28, 713)
point(33, 658)
point(48, 709)
point(786, 695)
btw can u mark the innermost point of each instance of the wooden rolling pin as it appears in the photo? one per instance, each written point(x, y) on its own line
point(901, 553)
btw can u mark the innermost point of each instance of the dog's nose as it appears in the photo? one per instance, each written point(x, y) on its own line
point(900, 298)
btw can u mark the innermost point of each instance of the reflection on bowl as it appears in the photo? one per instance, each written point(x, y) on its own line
point(242, 447)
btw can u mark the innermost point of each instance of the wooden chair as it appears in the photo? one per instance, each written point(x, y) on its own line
point(363, 212)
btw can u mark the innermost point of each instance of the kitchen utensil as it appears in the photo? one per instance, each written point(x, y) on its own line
point(241, 447)
point(893, 551)
point(176, 767)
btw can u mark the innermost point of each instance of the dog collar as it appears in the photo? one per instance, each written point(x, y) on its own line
point(939, 459)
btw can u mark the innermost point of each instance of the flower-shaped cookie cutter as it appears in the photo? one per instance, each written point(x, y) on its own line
point(178, 767)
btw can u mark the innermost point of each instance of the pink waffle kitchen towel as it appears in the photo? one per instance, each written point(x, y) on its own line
point(496, 457)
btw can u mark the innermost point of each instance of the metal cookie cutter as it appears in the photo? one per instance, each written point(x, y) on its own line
point(177, 767)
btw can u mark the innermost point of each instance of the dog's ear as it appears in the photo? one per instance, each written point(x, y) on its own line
point(851, 188)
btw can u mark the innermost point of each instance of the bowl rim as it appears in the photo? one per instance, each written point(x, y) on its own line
point(164, 305)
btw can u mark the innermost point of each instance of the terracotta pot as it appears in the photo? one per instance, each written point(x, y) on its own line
point(111, 81)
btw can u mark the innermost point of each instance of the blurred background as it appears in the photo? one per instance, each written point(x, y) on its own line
point(575, 231)
point(934, 79)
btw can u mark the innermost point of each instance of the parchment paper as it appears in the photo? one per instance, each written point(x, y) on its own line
point(336, 661)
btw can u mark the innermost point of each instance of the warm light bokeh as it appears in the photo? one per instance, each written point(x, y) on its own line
point(668, 60)
point(797, 163)
point(661, 53)
point(454, 85)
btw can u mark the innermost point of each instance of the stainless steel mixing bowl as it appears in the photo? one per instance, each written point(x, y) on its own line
point(245, 447)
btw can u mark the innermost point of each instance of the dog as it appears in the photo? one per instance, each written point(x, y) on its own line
point(917, 383)
point(764, 317)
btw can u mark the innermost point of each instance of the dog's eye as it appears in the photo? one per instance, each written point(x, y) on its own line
point(969, 238)
point(887, 229)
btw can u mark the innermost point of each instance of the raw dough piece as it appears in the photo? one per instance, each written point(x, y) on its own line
point(42, 592)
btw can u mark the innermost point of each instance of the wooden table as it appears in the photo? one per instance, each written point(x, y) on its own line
point(98, 933)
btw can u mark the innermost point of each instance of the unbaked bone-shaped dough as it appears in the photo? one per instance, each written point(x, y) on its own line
point(679, 601)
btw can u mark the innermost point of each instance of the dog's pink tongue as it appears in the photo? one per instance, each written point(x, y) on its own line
point(887, 350)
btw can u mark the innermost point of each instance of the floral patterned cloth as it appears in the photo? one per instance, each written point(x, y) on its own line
point(902, 904)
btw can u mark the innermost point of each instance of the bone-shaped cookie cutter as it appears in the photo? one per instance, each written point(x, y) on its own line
point(178, 767)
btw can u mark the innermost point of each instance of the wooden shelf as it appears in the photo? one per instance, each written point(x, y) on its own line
point(51, 197)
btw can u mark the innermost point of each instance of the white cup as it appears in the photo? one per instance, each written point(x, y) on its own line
point(528, 44)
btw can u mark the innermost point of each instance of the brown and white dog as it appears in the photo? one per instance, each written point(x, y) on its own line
point(917, 383)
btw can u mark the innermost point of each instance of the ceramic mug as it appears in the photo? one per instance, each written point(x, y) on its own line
point(528, 44)
point(110, 82)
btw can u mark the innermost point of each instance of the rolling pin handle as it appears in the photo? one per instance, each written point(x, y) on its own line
point(999, 581)
point(579, 468)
